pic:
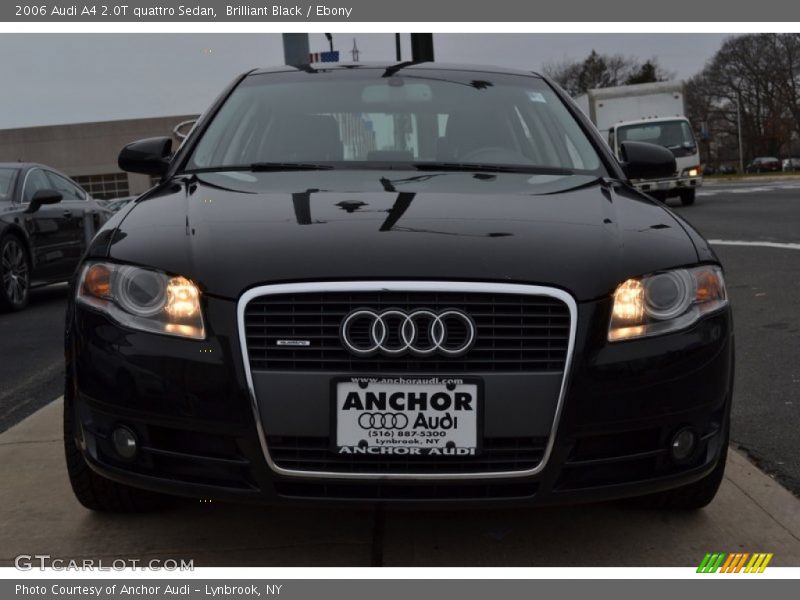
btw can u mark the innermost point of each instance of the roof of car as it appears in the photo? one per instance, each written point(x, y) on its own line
point(433, 66)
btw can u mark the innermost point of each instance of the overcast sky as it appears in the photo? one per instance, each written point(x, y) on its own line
point(71, 78)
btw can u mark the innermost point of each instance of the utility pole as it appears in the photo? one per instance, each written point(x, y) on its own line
point(739, 129)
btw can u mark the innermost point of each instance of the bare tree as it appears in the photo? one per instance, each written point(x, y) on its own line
point(760, 75)
point(604, 70)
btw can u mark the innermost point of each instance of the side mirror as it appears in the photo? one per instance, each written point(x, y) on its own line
point(641, 160)
point(149, 156)
point(43, 197)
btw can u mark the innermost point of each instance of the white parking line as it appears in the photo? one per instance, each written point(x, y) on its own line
point(781, 245)
point(714, 190)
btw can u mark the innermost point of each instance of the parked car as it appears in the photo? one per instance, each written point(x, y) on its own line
point(319, 302)
point(728, 170)
point(764, 164)
point(791, 164)
point(46, 223)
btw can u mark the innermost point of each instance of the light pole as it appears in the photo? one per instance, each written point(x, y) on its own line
point(739, 129)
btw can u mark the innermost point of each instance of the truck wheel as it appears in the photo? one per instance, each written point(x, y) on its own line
point(94, 491)
point(15, 274)
point(687, 197)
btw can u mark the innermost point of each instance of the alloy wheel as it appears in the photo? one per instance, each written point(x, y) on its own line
point(15, 272)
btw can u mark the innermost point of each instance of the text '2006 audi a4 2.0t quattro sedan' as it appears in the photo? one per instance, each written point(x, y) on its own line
point(396, 283)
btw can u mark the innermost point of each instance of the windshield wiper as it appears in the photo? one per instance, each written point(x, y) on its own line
point(265, 167)
point(477, 167)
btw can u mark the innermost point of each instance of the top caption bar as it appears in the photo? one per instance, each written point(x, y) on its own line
point(403, 11)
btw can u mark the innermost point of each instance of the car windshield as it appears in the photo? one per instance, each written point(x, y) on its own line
point(675, 135)
point(7, 179)
point(407, 120)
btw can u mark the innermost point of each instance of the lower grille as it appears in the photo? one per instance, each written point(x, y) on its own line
point(312, 454)
point(420, 491)
point(627, 457)
point(179, 455)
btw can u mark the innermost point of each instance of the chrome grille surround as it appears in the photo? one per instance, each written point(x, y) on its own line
point(406, 286)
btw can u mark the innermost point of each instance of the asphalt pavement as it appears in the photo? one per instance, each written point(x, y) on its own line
point(32, 355)
point(764, 287)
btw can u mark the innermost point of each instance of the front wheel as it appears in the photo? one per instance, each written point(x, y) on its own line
point(687, 197)
point(15, 270)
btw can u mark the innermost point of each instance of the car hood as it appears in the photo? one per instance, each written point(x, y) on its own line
point(231, 231)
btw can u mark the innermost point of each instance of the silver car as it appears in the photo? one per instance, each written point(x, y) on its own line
point(791, 164)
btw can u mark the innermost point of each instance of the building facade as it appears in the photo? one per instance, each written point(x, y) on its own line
point(88, 152)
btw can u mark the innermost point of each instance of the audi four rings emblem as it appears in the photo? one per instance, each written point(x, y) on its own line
point(370, 420)
point(394, 332)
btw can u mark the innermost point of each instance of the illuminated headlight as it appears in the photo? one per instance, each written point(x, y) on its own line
point(692, 172)
point(143, 299)
point(665, 302)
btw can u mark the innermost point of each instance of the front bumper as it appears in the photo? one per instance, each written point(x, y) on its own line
point(669, 187)
point(189, 405)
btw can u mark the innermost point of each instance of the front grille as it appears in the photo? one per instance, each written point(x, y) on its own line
point(514, 332)
point(314, 454)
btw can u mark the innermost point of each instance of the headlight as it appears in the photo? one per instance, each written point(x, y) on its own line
point(665, 302)
point(692, 171)
point(143, 299)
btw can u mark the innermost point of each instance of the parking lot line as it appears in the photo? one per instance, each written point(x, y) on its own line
point(780, 245)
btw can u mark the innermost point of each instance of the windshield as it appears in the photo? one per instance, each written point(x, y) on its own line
point(7, 178)
point(675, 135)
point(411, 120)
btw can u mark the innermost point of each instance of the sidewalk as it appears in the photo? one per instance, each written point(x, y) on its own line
point(39, 515)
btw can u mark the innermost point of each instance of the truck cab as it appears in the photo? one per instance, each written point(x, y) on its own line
point(649, 112)
point(674, 133)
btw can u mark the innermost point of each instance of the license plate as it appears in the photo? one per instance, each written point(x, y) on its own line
point(406, 417)
point(663, 185)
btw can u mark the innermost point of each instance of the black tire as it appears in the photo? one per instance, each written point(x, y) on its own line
point(96, 492)
point(15, 273)
point(687, 197)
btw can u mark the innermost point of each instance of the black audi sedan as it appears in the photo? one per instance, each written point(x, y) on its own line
point(46, 223)
point(409, 283)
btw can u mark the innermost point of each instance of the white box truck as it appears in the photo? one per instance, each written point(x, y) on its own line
point(649, 112)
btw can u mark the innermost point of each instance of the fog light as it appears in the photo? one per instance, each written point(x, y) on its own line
point(124, 442)
point(683, 444)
